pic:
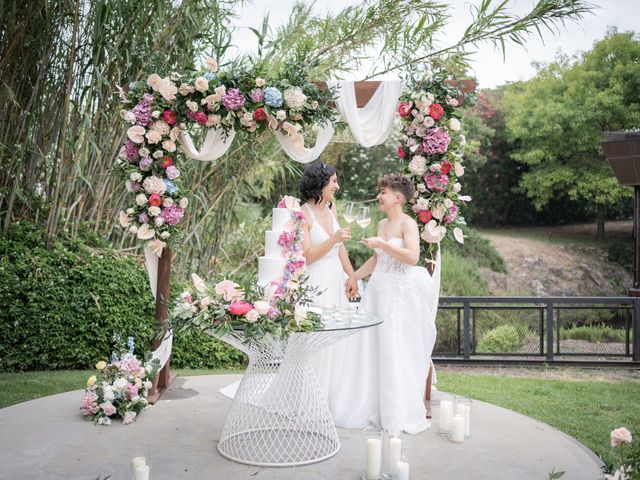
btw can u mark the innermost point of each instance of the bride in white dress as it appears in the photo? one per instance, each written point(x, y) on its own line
point(328, 264)
point(385, 369)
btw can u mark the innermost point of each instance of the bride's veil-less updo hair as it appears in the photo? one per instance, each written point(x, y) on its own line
point(315, 177)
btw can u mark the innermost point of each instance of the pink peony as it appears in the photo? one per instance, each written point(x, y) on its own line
point(436, 183)
point(404, 109)
point(89, 403)
point(172, 172)
point(240, 308)
point(436, 111)
point(619, 436)
point(201, 117)
point(228, 289)
point(170, 117)
point(132, 391)
point(286, 238)
point(108, 408)
point(129, 364)
point(436, 141)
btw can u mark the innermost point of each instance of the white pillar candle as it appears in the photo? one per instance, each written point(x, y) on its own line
point(138, 461)
point(446, 412)
point(457, 429)
point(374, 457)
point(465, 411)
point(403, 471)
point(395, 454)
point(141, 472)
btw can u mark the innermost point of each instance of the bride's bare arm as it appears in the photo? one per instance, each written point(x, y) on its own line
point(316, 252)
point(367, 267)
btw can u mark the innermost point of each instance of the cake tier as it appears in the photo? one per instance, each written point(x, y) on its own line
point(271, 247)
point(270, 269)
point(279, 219)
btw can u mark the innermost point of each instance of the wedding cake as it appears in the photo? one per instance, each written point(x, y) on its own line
point(274, 261)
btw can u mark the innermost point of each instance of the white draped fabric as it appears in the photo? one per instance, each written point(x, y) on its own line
point(215, 145)
point(370, 125)
point(293, 145)
point(163, 352)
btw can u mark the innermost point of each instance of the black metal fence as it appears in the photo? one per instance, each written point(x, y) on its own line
point(543, 328)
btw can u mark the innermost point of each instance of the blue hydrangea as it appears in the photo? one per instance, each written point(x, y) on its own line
point(114, 357)
point(130, 344)
point(171, 187)
point(273, 97)
point(209, 75)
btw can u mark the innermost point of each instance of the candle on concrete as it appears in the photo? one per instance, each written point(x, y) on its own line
point(374, 458)
point(446, 413)
point(138, 462)
point(141, 472)
point(395, 452)
point(403, 471)
point(457, 429)
point(465, 412)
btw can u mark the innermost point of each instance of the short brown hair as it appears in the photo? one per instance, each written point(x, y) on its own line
point(397, 183)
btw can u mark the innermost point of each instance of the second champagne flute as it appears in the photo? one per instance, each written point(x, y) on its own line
point(363, 219)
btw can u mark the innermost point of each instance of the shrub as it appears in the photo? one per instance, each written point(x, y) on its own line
point(594, 334)
point(505, 338)
point(478, 248)
point(62, 307)
point(460, 276)
point(622, 253)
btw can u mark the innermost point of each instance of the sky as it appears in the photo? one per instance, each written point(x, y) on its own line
point(488, 64)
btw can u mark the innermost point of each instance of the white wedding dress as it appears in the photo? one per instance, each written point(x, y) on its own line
point(328, 276)
point(384, 369)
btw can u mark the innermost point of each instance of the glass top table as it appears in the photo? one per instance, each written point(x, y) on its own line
point(279, 415)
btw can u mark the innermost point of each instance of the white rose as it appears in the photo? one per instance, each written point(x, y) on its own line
point(186, 89)
point(153, 136)
point(164, 235)
point(211, 64)
point(107, 393)
point(260, 82)
point(453, 102)
point(201, 84)
point(130, 211)
point(120, 384)
point(428, 122)
point(169, 146)
point(457, 187)
point(454, 124)
point(314, 104)
point(144, 152)
point(262, 307)
point(154, 211)
point(193, 106)
point(135, 176)
point(161, 127)
point(168, 90)
point(212, 120)
point(281, 115)
point(184, 202)
point(129, 117)
point(158, 222)
point(221, 90)
point(167, 202)
point(133, 229)
point(463, 140)
point(157, 154)
point(422, 204)
point(155, 113)
point(141, 199)
point(422, 187)
point(448, 202)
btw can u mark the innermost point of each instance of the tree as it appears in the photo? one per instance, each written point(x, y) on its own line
point(555, 122)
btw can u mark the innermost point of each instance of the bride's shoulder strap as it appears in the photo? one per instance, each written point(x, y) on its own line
point(308, 211)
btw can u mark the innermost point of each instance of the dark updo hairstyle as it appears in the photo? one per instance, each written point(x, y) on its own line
point(397, 183)
point(314, 178)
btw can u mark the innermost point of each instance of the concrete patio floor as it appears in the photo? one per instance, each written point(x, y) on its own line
point(48, 439)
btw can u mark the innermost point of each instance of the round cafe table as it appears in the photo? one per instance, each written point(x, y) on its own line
point(279, 415)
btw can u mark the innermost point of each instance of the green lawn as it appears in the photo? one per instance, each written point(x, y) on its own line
point(586, 410)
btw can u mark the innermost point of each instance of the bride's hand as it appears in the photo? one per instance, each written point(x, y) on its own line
point(352, 288)
point(341, 235)
point(374, 242)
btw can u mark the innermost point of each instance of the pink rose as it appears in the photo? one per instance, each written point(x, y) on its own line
point(252, 315)
point(262, 307)
point(240, 308)
point(401, 152)
point(619, 436)
point(228, 290)
point(108, 408)
point(295, 265)
point(286, 238)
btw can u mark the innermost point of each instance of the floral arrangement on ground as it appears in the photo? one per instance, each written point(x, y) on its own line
point(431, 151)
point(120, 388)
point(278, 309)
point(159, 109)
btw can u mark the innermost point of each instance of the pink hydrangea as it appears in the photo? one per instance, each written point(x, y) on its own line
point(154, 184)
point(436, 183)
point(130, 150)
point(453, 214)
point(89, 403)
point(257, 95)
point(172, 172)
point(173, 214)
point(132, 390)
point(233, 99)
point(142, 112)
point(129, 364)
point(436, 141)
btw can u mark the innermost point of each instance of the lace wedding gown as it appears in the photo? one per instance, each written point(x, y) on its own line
point(385, 368)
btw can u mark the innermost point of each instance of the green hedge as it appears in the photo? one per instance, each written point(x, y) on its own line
point(61, 307)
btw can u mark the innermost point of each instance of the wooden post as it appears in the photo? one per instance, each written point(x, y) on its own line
point(164, 377)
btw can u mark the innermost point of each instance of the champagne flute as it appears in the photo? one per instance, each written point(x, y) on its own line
point(363, 219)
point(349, 214)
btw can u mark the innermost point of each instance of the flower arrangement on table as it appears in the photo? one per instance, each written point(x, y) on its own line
point(278, 309)
point(629, 457)
point(158, 109)
point(431, 150)
point(119, 389)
